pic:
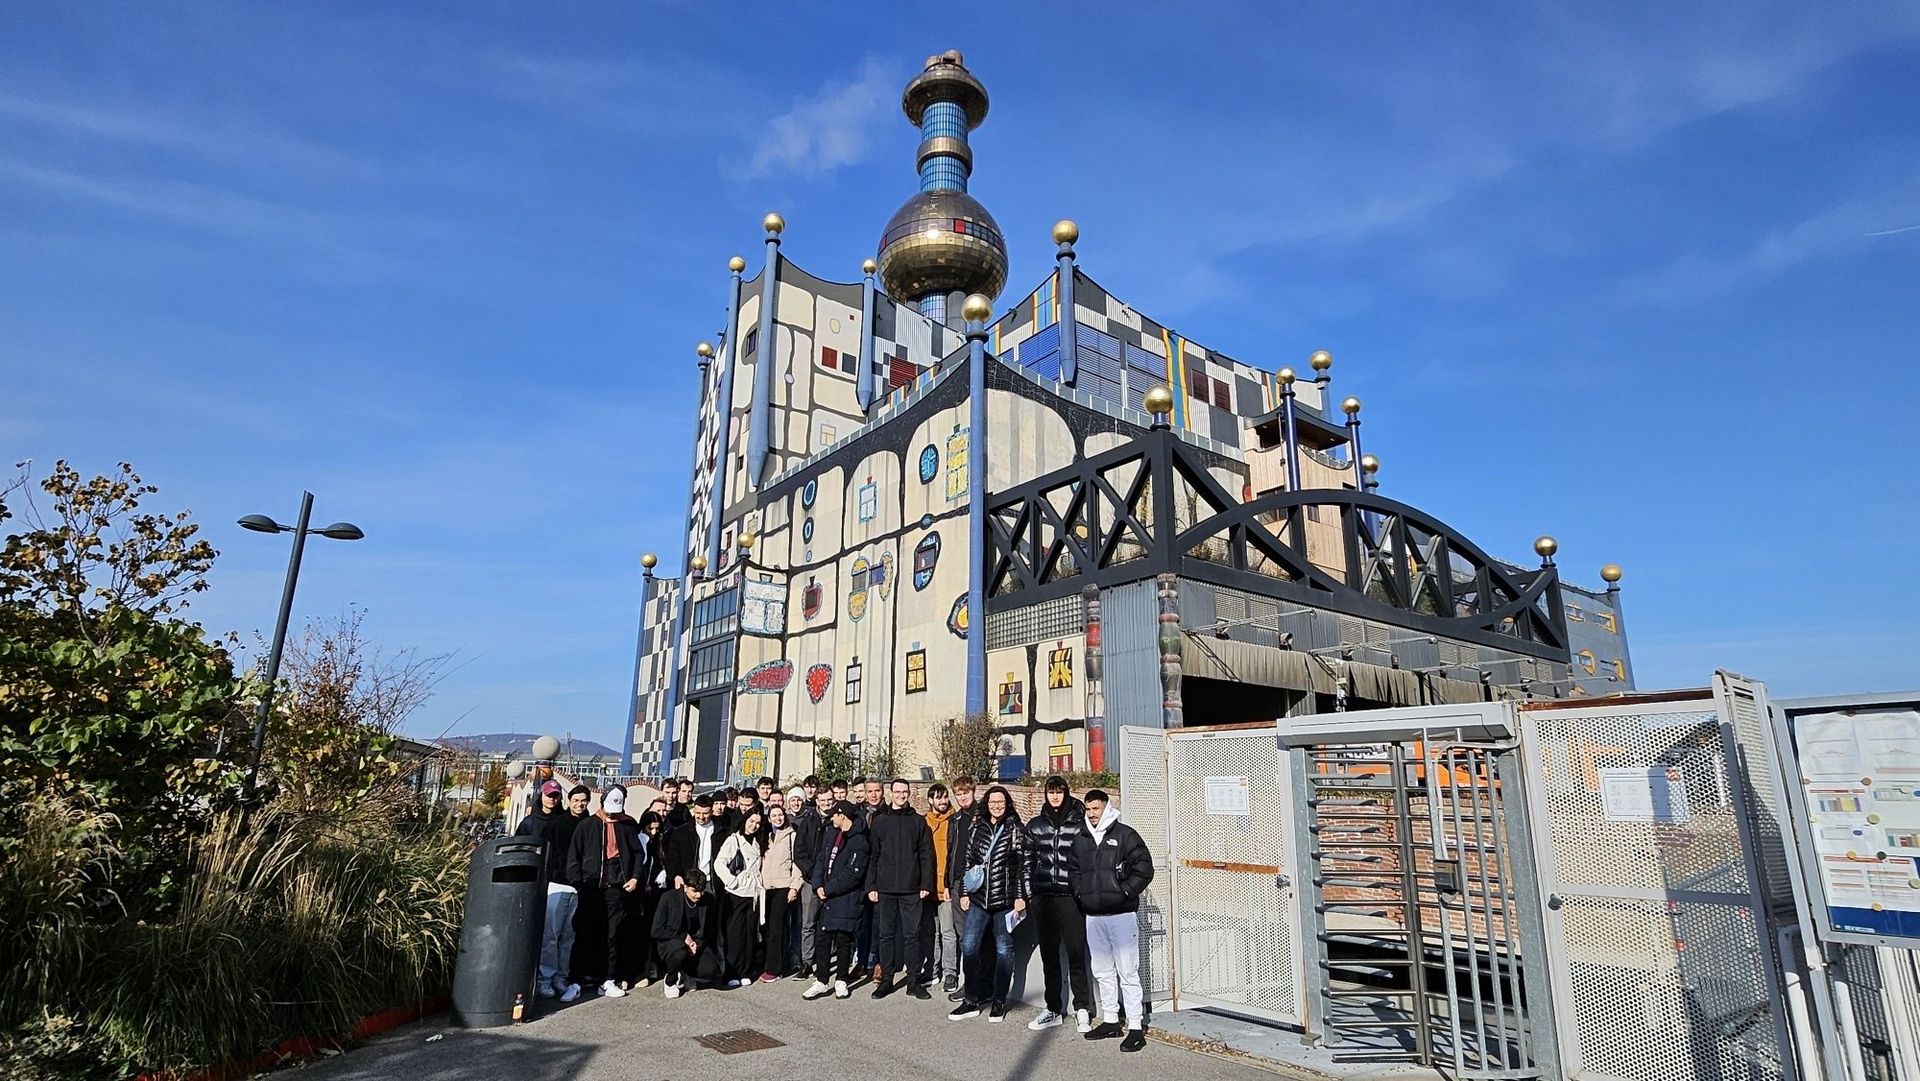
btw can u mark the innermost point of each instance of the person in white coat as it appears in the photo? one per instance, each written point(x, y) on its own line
point(738, 863)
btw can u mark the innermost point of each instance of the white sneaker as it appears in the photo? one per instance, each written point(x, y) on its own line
point(673, 988)
point(1047, 1019)
point(643, 981)
point(840, 989)
point(815, 990)
point(571, 994)
point(1086, 1023)
point(546, 990)
point(612, 990)
point(735, 984)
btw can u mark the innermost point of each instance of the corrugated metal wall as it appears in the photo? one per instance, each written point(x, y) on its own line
point(1130, 639)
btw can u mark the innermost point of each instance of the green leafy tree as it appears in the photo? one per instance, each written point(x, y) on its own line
point(107, 696)
point(966, 746)
point(834, 761)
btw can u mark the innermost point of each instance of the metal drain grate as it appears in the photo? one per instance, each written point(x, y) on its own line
point(737, 1041)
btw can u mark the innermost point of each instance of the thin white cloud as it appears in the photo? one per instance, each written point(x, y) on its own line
point(231, 142)
point(828, 130)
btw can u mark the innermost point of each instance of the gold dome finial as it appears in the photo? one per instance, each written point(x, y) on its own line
point(705, 350)
point(1369, 464)
point(1545, 546)
point(976, 308)
point(698, 563)
point(869, 266)
point(1321, 360)
point(1158, 400)
point(1286, 376)
point(774, 224)
point(736, 264)
point(649, 561)
point(1610, 573)
point(1351, 407)
point(1065, 231)
point(746, 542)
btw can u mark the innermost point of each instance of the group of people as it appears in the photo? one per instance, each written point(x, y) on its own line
point(834, 879)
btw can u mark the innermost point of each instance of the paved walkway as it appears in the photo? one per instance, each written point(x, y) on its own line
point(644, 1037)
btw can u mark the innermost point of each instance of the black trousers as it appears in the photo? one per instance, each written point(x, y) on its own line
point(739, 934)
point(637, 959)
point(896, 932)
point(688, 968)
point(597, 927)
point(923, 966)
point(1060, 925)
point(776, 933)
point(832, 955)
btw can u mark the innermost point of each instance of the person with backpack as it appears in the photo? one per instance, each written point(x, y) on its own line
point(993, 900)
point(1111, 869)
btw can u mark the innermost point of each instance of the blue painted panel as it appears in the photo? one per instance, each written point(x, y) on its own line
point(1142, 361)
point(1039, 344)
point(1104, 366)
point(1099, 341)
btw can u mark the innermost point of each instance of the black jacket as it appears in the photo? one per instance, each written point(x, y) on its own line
point(1110, 873)
point(902, 860)
point(957, 833)
point(587, 863)
point(680, 852)
point(809, 826)
point(677, 815)
point(675, 919)
point(557, 831)
point(1050, 837)
point(1005, 860)
point(845, 880)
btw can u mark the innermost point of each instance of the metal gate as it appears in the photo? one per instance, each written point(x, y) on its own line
point(1424, 942)
point(1143, 805)
point(1236, 928)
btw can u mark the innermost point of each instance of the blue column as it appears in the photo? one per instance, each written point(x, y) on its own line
point(723, 413)
point(1292, 428)
point(863, 389)
point(976, 516)
point(1069, 339)
point(760, 427)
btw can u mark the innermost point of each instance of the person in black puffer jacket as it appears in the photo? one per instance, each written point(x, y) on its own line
point(996, 846)
point(1057, 916)
point(1111, 869)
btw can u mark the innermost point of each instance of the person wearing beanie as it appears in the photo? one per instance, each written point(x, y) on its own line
point(554, 823)
point(1111, 869)
point(1057, 917)
point(606, 860)
point(839, 881)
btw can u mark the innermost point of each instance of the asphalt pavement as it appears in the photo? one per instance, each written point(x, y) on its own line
point(646, 1037)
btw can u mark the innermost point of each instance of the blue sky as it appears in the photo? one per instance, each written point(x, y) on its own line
point(1640, 275)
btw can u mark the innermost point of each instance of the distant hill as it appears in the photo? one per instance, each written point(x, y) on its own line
point(520, 744)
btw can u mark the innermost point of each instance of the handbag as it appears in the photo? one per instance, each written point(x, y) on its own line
point(976, 876)
point(738, 863)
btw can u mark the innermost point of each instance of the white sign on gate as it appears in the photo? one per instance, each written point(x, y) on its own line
point(1228, 796)
point(1644, 794)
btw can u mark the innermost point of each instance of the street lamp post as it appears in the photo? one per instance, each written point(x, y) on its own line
point(260, 523)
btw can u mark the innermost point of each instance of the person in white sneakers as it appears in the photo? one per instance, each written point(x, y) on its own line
point(742, 898)
point(605, 861)
point(680, 936)
point(555, 824)
point(1111, 869)
point(839, 880)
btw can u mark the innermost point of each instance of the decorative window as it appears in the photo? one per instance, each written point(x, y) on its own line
point(848, 363)
point(901, 371)
point(929, 463)
point(869, 500)
point(1221, 396)
point(957, 464)
point(829, 358)
point(828, 434)
point(806, 531)
point(747, 343)
point(1060, 668)
point(926, 556)
point(810, 599)
point(710, 666)
point(853, 674)
point(809, 492)
point(916, 671)
point(1012, 697)
point(1197, 384)
point(716, 615)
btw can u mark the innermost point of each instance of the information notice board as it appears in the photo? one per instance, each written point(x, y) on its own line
point(1859, 779)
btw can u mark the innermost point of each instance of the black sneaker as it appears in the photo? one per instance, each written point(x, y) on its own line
point(950, 984)
point(997, 1013)
point(1136, 1039)
point(964, 1011)
point(884, 988)
point(1107, 1030)
point(919, 991)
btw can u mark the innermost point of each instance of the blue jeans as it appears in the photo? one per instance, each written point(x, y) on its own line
point(984, 976)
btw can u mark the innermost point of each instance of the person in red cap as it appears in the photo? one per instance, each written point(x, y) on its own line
point(555, 825)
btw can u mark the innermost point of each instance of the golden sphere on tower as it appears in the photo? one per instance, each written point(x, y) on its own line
point(1610, 573)
point(1351, 407)
point(705, 349)
point(746, 542)
point(698, 563)
point(1321, 360)
point(1286, 376)
point(1369, 463)
point(1158, 400)
point(774, 223)
point(736, 264)
point(649, 560)
point(1544, 547)
point(976, 308)
point(869, 267)
point(1065, 231)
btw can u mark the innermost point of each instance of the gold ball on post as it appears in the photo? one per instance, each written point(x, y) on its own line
point(976, 308)
point(1545, 546)
point(746, 542)
point(1610, 573)
point(1369, 464)
point(1351, 407)
point(1065, 231)
point(705, 349)
point(1321, 360)
point(736, 264)
point(698, 563)
point(649, 560)
point(869, 267)
point(1158, 400)
point(1286, 376)
point(774, 223)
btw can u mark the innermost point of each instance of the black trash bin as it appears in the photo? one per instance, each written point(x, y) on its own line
point(500, 935)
